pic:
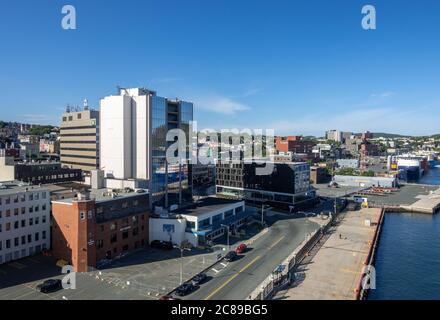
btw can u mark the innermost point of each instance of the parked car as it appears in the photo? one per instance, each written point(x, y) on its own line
point(185, 289)
point(50, 285)
point(160, 244)
point(199, 279)
point(231, 256)
point(241, 249)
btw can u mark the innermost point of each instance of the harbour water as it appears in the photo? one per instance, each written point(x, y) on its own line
point(408, 257)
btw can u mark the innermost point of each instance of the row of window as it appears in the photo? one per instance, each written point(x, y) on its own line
point(9, 243)
point(21, 253)
point(218, 218)
point(22, 197)
point(8, 226)
point(22, 210)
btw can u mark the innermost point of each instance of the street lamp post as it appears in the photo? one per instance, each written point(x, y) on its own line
point(262, 212)
point(181, 260)
point(227, 230)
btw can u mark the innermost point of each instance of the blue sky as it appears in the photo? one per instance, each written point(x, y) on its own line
point(300, 67)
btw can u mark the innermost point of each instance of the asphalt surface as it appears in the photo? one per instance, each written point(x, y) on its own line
point(237, 279)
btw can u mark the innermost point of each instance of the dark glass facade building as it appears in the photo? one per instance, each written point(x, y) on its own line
point(287, 185)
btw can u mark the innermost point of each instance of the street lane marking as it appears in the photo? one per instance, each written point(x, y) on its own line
point(224, 264)
point(232, 278)
point(276, 242)
point(215, 270)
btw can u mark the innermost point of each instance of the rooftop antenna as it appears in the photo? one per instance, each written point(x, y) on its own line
point(68, 108)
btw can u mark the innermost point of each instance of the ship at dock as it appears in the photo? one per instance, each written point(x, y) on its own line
point(409, 167)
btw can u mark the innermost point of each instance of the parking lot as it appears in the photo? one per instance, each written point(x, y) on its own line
point(145, 274)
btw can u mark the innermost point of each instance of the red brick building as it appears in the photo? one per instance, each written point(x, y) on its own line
point(294, 144)
point(89, 229)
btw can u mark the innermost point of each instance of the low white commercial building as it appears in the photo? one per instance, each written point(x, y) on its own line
point(24, 220)
point(201, 223)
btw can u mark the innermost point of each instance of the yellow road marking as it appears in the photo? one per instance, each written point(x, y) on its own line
point(232, 278)
point(276, 242)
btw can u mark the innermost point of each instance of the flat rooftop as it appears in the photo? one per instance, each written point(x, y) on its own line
point(13, 187)
point(104, 194)
point(205, 205)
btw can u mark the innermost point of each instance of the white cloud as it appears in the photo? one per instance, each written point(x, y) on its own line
point(382, 95)
point(219, 104)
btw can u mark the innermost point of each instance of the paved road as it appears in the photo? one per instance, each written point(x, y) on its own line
point(236, 280)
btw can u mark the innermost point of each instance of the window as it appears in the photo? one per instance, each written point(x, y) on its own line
point(82, 215)
point(8, 213)
point(217, 218)
point(37, 236)
point(16, 242)
point(43, 207)
point(31, 196)
point(16, 212)
point(43, 219)
point(43, 235)
point(37, 196)
point(229, 213)
point(31, 221)
point(125, 234)
point(23, 239)
point(99, 210)
point(8, 200)
point(37, 208)
point(135, 231)
point(16, 225)
point(113, 238)
point(8, 244)
point(100, 244)
point(23, 210)
point(124, 205)
point(90, 214)
point(29, 238)
point(113, 226)
point(238, 209)
point(31, 209)
point(78, 116)
point(23, 223)
point(37, 220)
point(8, 226)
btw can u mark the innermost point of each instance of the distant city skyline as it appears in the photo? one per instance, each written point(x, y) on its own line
point(308, 68)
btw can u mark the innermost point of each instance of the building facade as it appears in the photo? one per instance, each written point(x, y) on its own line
point(90, 229)
point(79, 139)
point(287, 185)
point(41, 172)
point(134, 125)
point(24, 221)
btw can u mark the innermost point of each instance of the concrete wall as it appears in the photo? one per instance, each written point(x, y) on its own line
point(7, 169)
point(358, 181)
point(158, 232)
point(116, 136)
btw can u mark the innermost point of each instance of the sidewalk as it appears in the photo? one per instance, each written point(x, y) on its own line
point(333, 269)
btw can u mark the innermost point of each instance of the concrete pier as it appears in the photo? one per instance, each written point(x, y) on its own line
point(334, 268)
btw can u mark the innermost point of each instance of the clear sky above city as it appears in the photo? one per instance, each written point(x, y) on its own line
point(300, 67)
